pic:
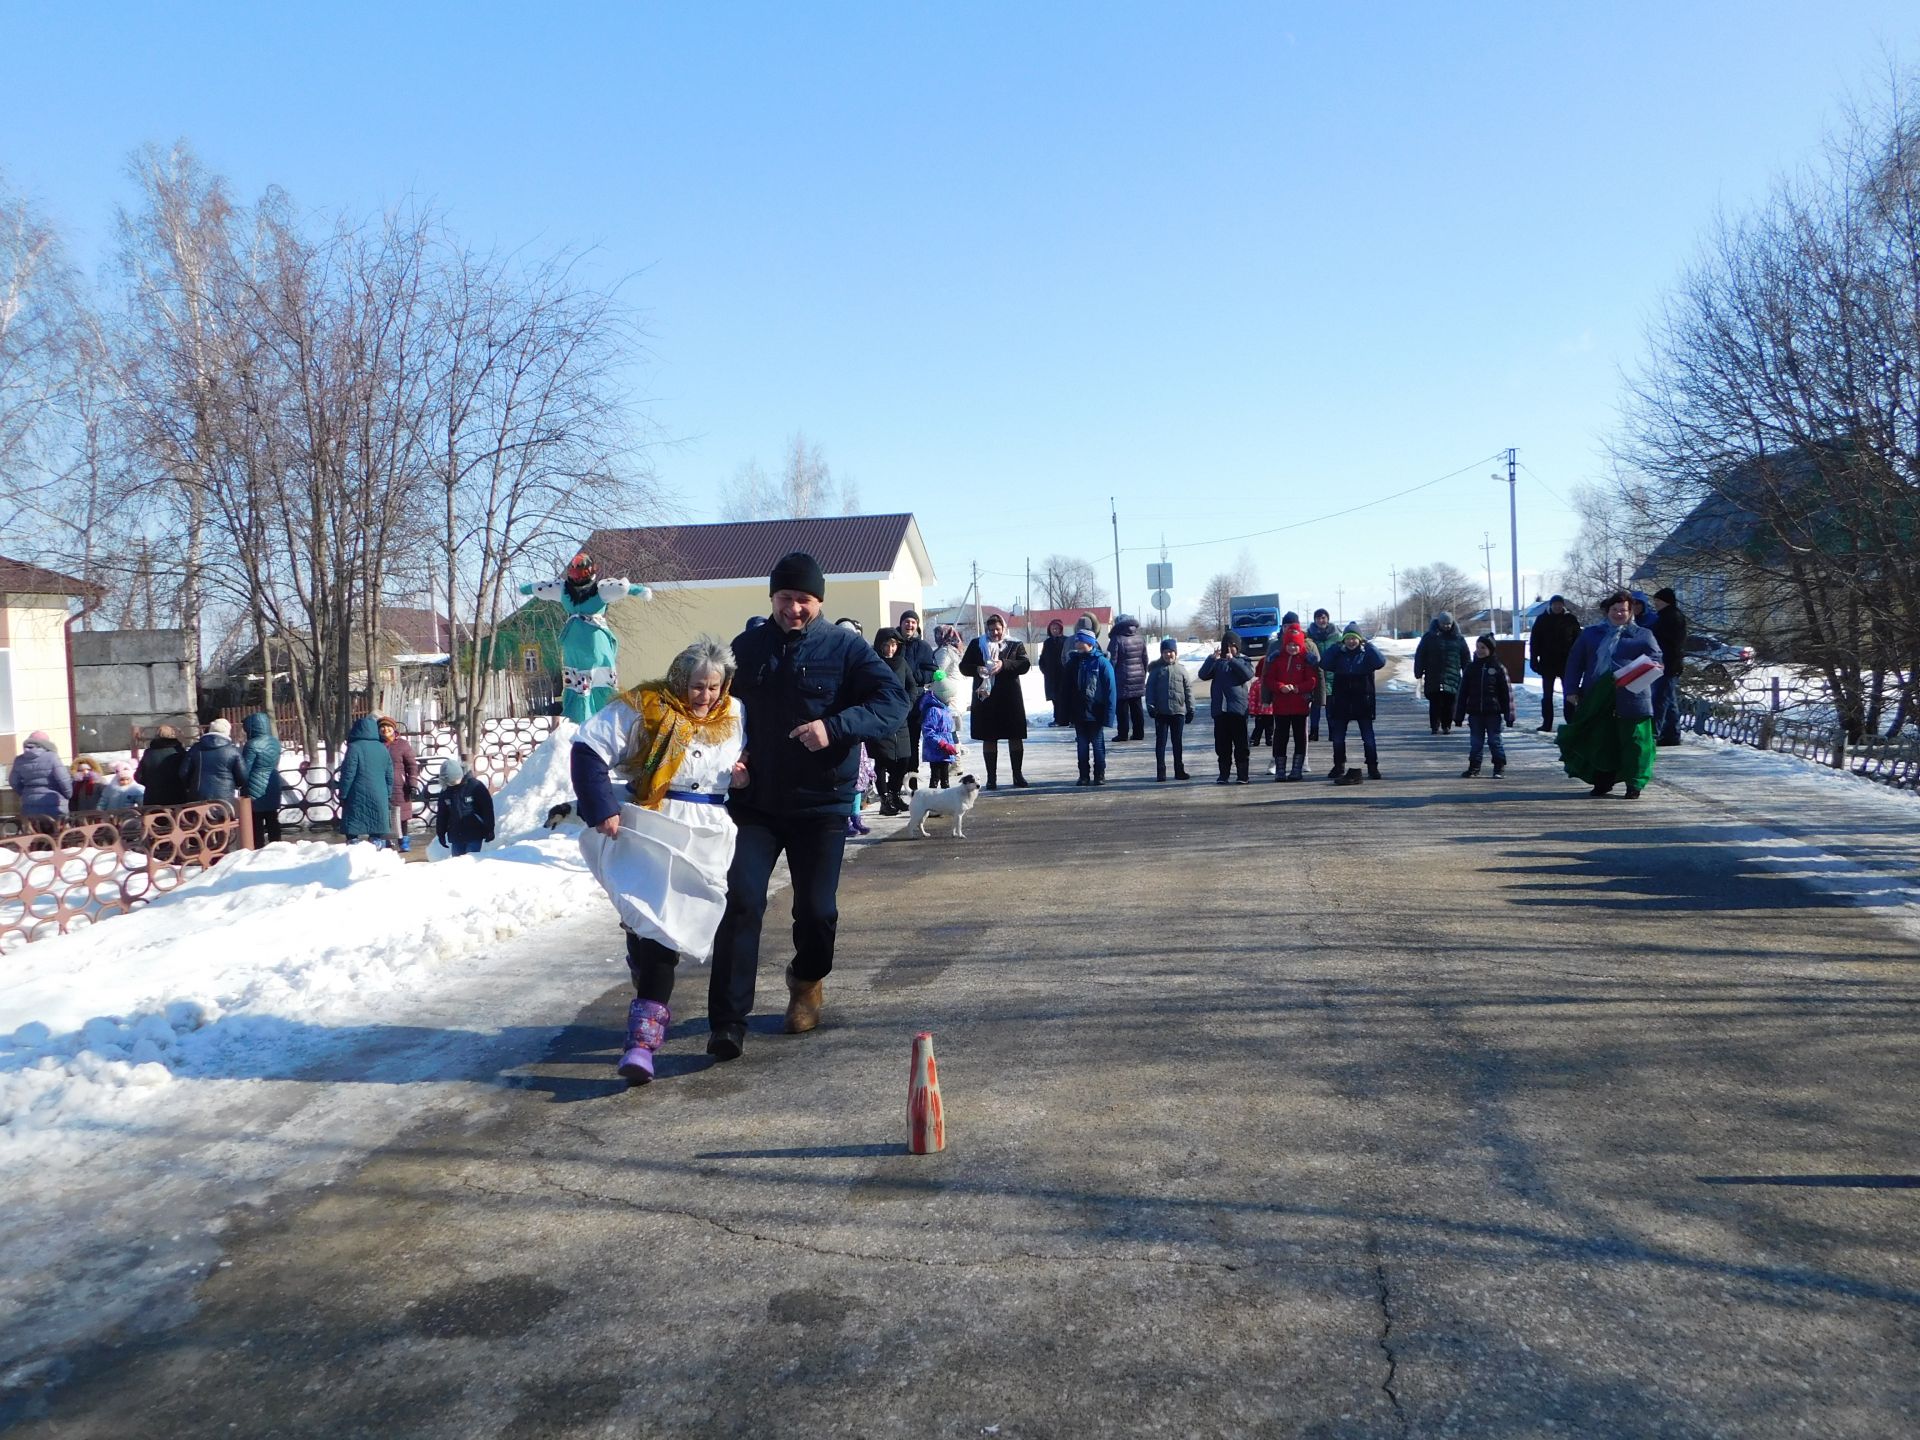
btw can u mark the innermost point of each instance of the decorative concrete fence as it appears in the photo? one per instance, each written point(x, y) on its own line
point(64, 872)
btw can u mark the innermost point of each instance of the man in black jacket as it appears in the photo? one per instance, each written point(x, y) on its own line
point(915, 649)
point(1670, 629)
point(1547, 647)
point(812, 693)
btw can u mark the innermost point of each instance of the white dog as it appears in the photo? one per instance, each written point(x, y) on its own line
point(952, 803)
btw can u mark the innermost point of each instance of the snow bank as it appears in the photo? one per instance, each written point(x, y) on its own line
point(543, 781)
point(253, 969)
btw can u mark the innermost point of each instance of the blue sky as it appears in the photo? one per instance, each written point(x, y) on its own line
point(1236, 266)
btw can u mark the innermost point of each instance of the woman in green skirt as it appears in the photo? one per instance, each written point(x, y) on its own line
point(1608, 736)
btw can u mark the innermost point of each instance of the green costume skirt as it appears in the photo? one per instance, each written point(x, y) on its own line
point(1597, 744)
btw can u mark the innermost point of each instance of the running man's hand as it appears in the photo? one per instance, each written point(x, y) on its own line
point(609, 827)
point(813, 734)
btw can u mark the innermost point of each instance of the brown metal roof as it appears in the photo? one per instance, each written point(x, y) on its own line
point(19, 578)
point(415, 630)
point(749, 549)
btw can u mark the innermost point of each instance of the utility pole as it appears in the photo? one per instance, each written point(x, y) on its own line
point(1340, 601)
point(1117, 601)
point(1393, 620)
point(1513, 534)
point(1486, 549)
point(979, 624)
point(1029, 600)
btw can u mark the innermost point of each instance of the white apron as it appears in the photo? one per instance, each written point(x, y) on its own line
point(666, 871)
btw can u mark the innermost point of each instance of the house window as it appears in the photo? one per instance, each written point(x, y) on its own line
point(7, 727)
point(530, 659)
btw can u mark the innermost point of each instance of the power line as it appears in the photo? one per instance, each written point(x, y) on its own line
point(1542, 484)
point(1334, 515)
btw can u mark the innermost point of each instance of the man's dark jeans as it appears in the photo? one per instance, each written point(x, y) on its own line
point(814, 846)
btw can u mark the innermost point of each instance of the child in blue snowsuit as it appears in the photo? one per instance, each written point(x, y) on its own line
point(1090, 705)
point(938, 741)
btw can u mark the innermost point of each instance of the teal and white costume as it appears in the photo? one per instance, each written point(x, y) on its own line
point(589, 650)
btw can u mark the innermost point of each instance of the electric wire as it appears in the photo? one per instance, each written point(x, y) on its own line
point(1319, 519)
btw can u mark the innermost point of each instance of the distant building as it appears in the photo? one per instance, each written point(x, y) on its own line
point(36, 659)
point(709, 579)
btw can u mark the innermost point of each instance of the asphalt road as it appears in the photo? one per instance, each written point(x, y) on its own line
point(1426, 1108)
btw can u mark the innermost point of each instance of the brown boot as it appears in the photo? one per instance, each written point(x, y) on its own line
point(803, 1005)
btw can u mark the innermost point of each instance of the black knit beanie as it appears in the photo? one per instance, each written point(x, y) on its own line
point(798, 571)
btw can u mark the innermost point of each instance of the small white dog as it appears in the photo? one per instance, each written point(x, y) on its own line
point(953, 803)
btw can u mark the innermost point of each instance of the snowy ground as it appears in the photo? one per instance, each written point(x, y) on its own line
point(284, 1015)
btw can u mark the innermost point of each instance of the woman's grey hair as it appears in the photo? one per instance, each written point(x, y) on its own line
point(705, 653)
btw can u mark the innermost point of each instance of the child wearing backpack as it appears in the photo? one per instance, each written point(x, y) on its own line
point(463, 820)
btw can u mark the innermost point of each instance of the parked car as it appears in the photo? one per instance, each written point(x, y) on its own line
point(1715, 659)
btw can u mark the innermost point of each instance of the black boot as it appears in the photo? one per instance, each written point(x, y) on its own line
point(1373, 769)
point(1472, 770)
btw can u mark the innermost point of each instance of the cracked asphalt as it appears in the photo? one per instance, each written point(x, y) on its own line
point(1427, 1108)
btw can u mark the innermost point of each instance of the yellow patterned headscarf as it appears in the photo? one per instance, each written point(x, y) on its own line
point(667, 729)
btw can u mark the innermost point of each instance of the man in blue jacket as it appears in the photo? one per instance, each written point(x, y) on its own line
point(812, 693)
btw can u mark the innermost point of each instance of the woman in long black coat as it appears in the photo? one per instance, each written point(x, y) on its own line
point(1053, 661)
point(999, 711)
point(894, 755)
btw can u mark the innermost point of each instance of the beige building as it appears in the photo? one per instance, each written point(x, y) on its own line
point(36, 691)
point(709, 579)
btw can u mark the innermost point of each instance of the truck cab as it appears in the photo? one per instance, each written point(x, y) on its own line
point(1255, 621)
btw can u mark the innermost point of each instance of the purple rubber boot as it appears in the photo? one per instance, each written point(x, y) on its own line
point(647, 1022)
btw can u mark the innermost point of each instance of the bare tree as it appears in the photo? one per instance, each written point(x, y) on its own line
point(804, 487)
point(1778, 413)
point(1215, 610)
point(1426, 590)
point(1620, 524)
point(55, 404)
point(535, 442)
point(1069, 583)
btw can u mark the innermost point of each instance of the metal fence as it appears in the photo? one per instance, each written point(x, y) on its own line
point(64, 872)
point(1886, 761)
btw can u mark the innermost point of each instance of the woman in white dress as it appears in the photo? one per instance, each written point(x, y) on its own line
point(651, 773)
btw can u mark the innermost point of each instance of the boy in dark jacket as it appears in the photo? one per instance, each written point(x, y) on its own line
point(463, 819)
point(1484, 704)
point(1230, 676)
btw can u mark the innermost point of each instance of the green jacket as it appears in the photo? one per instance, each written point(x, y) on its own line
point(1440, 660)
point(366, 782)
